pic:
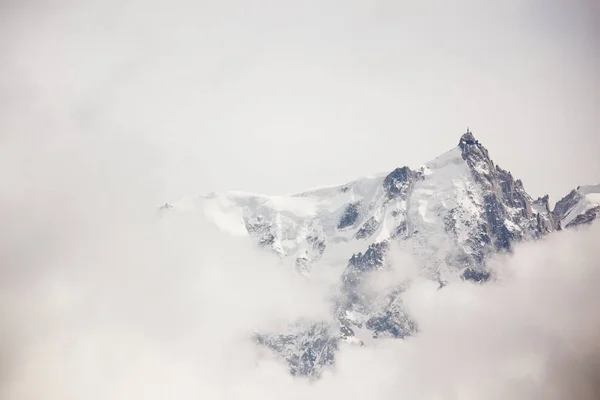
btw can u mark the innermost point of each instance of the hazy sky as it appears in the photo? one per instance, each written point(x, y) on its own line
point(108, 108)
point(109, 307)
point(280, 96)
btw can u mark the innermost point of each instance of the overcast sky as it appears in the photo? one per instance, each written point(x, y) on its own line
point(109, 108)
point(280, 96)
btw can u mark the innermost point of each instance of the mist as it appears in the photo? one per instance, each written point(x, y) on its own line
point(105, 298)
point(110, 109)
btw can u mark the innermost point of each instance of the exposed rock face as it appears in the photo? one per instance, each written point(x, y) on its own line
point(581, 206)
point(585, 218)
point(451, 214)
point(398, 183)
point(546, 222)
point(367, 229)
point(350, 216)
point(566, 204)
point(511, 214)
point(307, 349)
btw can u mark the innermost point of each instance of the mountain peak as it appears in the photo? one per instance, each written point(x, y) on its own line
point(452, 215)
point(473, 151)
point(467, 138)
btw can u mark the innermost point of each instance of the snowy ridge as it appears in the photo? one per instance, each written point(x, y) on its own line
point(581, 206)
point(451, 214)
point(460, 200)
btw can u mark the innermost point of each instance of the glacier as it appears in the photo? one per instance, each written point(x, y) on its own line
point(451, 214)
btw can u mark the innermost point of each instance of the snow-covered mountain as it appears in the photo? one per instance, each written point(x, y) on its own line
point(452, 214)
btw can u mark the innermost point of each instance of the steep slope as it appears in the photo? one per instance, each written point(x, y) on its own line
point(460, 207)
point(452, 214)
point(580, 206)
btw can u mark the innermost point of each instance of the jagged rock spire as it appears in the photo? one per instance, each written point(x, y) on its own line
point(472, 149)
point(467, 138)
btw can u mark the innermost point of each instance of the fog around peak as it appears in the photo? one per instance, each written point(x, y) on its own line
point(100, 300)
point(109, 109)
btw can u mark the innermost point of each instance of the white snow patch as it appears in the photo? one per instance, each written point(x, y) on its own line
point(226, 216)
point(423, 209)
point(590, 199)
point(511, 225)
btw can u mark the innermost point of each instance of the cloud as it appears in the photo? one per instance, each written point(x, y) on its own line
point(106, 111)
point(104, 298)
point(531, 334)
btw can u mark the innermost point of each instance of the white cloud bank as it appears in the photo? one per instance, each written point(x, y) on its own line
point(102, 299)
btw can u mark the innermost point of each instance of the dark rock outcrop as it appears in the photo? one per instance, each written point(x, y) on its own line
point(399, 182)
point(350, 215)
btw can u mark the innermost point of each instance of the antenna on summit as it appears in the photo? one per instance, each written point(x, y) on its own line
point(468, 131)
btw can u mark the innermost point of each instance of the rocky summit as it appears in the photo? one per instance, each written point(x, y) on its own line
point(451, 214)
